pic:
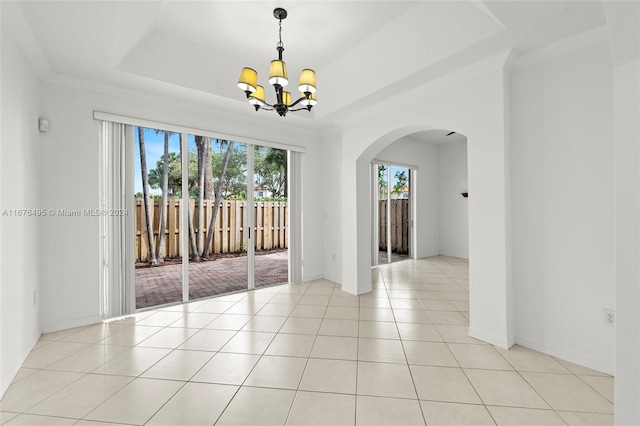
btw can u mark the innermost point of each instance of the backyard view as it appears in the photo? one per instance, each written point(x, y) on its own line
point(218, 216)
point(393, 214)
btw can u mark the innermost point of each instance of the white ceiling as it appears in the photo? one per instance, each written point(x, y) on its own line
point(196, 49)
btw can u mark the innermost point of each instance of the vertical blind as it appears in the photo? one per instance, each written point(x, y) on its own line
point(117, 290)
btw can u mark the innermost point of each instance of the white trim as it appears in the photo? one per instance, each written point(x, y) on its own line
point(65, 325)
point(251, 245)
point(295, 218)
point(388, 224)
point(560, 48)
point(388, 163)
point(129, 241)
point(571, 356)
point(7, 378)
point(184, 215)
point(496, 340)
point(413, 213)
point(375, 214)
point(26, 40)
point(176, 128)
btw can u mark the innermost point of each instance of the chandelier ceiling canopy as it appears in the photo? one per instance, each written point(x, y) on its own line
point(278, 78)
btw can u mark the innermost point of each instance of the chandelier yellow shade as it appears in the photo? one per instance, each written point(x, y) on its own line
point(286, 98)
point(307, 81)
point(257, 97)
point(248, 80)
point(311, 101)
point(278, 73)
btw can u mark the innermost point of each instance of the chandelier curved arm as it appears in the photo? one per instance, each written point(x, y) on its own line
point(298, 101)
point(265, 106)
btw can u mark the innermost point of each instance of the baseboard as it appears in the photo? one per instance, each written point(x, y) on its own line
point(499, 341)
point(332, 278)
point(365, 290)
point(563, 354)
point(49, 328)
point(457, 256)
point(11, 374)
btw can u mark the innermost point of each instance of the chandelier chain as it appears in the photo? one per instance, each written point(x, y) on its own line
point(280, 33)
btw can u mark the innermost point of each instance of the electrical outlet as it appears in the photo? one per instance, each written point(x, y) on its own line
point(609, 317)
point(35, 297)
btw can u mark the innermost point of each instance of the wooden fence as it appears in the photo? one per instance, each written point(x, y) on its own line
point(270, 227)
point(399, 226)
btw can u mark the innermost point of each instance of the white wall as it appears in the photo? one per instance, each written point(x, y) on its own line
point(424, 156)
point(453, 207)
point(562, 205)
point(71, 272)
point(471, 101)
point(627, 245)
point(332, 204)
point(19, 179)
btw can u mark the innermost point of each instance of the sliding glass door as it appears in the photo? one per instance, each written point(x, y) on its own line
point(391, 213)
point(157, 212)
point(219, 217)
point(214, 220)
point(271, 216)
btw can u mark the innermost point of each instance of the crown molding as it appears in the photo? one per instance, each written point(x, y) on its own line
point(560, 48)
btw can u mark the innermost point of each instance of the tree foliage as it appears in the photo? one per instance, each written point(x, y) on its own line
point(175, 175)
point(270, 167)
point(382, 182)
point(401, 181)
point(234, 179)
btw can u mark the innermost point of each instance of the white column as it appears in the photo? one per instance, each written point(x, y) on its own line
point(627, 244)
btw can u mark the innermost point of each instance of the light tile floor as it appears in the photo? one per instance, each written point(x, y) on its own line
point(305, 354)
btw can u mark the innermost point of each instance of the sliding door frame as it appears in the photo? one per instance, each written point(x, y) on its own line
point(184, 214)
point(294, 217)
point(251, 260)
point(375, 203)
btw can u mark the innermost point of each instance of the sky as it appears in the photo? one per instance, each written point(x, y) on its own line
point(154, 148)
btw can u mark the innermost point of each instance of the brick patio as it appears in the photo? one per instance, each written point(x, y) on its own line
point(163, 284)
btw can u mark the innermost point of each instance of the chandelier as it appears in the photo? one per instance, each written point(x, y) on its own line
point(278, 78)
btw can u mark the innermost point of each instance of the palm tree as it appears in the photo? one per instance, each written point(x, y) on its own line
point(208, 169)
point(165, 197)
point(218, 196)
point(145, 192)
point(200, 141)
point(192, 237)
